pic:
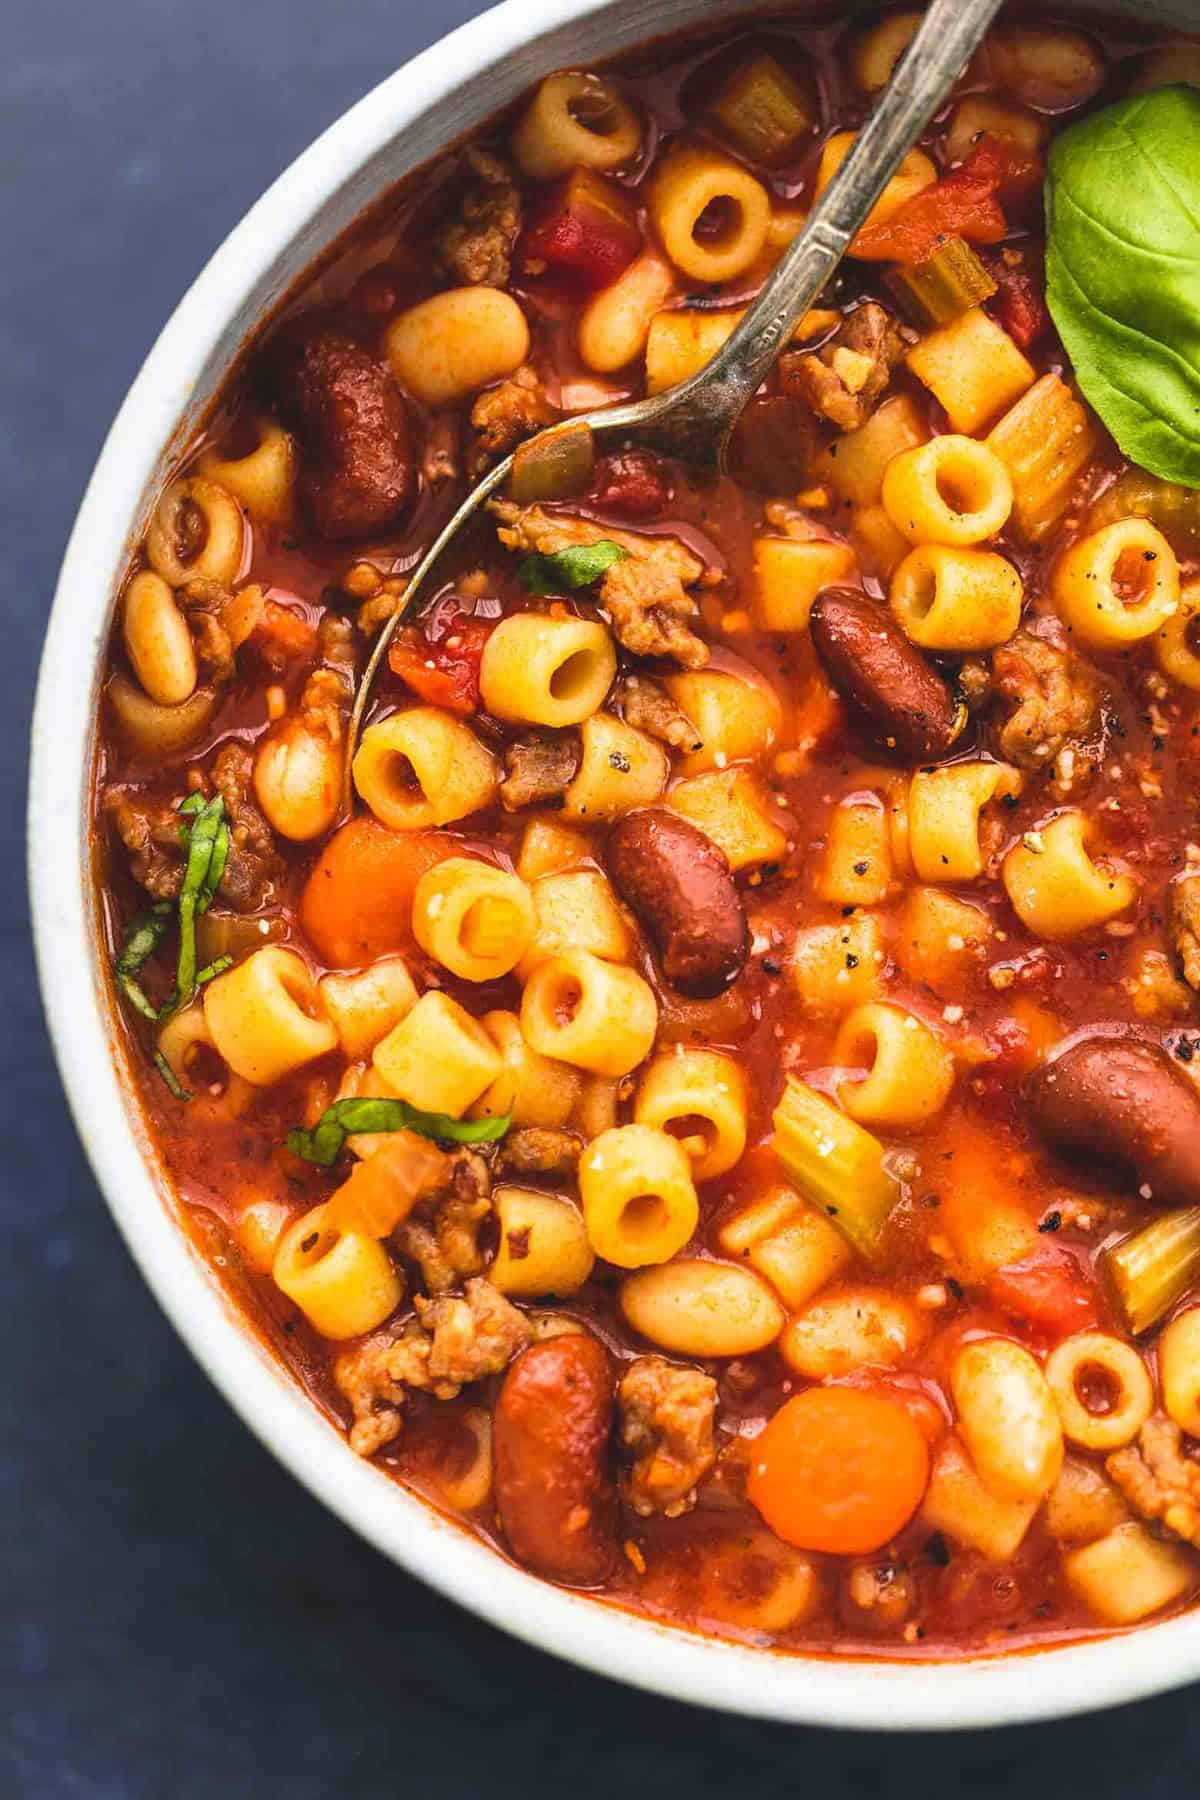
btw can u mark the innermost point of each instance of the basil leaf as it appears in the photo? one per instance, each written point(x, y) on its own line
point(169, 1076)
point(1123, 272)
point(208, 851)
point(565, 570)
point(142, 939)
point(323, 1144)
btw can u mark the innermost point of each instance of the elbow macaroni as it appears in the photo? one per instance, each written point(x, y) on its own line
point(944, 810)
point(266, 1017)
point(1117, 585)
point(594, 1015)
point(908, 1072)
point(342, 1281)
point(574, 121)
point(420, 768)
point(1056, 889)
point(438, 1057)
point(541, 670)
point(639, 1200)
point(699, 1096)
point(473, 918)
point(685, 187)
point(950, 491)
point(955, 599)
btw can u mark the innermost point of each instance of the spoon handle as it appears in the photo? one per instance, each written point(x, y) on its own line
point(700, 413)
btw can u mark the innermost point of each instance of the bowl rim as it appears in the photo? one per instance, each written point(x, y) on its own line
point(798, 1689)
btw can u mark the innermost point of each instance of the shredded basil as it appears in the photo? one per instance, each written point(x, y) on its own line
point(323, 1144)
point(208, 852)
point(169, 1076)
point(204, 829)
point(141, 941)
point(1123, 272)
point(565, 570)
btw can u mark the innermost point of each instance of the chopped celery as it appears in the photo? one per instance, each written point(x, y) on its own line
point(1150, 1270)
point(555, 465)
point(1174, 509)
point(762, 108)
point(948, 283)
point(836, 1165)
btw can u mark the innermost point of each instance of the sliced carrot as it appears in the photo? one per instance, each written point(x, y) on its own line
point(357, 902)
point(840, 1469)
point(382, 1190)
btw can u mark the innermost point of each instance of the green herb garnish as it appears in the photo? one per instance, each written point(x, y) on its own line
point(141, 941)
point(208, 852)
point(169, 1076)
point(1123, 272)
point(566, 570)
point(323, 1144)
point(204, 829)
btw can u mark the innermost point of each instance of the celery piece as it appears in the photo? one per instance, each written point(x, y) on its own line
point(762, 108)
point(946, 284)
point(1136, 495)
point(836, 1165)
point(1150, 1270)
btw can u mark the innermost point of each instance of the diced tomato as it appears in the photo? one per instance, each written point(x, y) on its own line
point(1019, 304)
point(964, 204)
point(1047, 1289)
point(283, 637)
point(587, 230)
point(633, 482)
point(445, 672)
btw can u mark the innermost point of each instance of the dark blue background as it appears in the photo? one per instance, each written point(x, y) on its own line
point(179, 1619)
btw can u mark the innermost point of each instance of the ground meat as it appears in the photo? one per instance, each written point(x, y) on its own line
point(1183, 921)
point(150, 831)
point(666, 1415)
point(324, 701)
point(842, 381)
point(646, 705)
point(537, 1150)
point(539, 768)
point(645, 595)
point(203, 604)
point(1154, 988)
point(503, 416)
point(1159, 1480)
point(1055, 699)
point(648, 606)
point(451, 1342)
point(973, 683)
point(442, 1236)
point(254, 866)
point(477, 244)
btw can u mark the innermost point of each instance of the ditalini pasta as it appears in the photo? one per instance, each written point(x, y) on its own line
point(704, 1086)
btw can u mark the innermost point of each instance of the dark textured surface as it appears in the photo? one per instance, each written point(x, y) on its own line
point(178, 1618)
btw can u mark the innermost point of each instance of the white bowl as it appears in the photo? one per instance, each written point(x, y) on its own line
point(411, 116)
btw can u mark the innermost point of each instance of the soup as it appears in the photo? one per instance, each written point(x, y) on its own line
point(711, 1102)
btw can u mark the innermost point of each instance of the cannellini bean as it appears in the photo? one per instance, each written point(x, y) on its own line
point(455, 343)
point(157, 640)
point(1008, 1417)
point(702, 1308)
point(297, 778)
point(1179, 1370)
point(863, 1327)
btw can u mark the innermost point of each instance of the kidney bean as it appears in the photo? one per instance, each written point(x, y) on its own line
point(1114, 1099)
point(877, 671)
point(357, 461)
point(554, 1492)
point(678, 883)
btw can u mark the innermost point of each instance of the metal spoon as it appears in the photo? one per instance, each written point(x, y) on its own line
point(695, 419)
